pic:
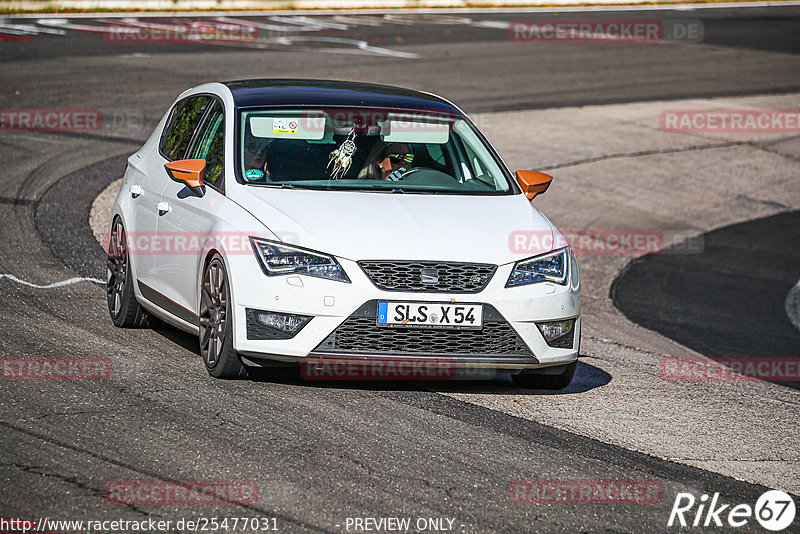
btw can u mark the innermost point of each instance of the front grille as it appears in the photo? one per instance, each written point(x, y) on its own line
point(359, 334)
point(450, 277)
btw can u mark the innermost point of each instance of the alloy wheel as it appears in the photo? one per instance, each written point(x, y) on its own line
point(117, 269)
point(213, 313)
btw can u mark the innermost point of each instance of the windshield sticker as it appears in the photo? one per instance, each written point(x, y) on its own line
point(253, 174)
point(342, 157)
point(284, 126)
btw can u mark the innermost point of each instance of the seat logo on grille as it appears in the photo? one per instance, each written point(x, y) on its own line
point(429, 275)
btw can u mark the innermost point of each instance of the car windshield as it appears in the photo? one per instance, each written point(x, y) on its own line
point(366, 149)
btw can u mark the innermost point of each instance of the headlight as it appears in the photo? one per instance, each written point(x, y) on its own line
point(280, 259)
point(550, 267)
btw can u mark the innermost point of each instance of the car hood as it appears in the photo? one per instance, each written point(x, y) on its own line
point(385, 226)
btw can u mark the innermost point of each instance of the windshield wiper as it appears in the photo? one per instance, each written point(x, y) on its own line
point(274, 185)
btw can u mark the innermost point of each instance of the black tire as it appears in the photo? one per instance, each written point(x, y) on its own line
point(539, 380)
point(122, 304)
point(216, 323)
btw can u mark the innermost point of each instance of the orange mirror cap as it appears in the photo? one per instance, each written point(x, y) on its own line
point(533, 182)
point(188, 171)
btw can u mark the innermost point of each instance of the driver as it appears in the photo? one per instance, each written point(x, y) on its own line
point(394, 160)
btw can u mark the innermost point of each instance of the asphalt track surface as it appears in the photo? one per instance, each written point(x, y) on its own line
point(319, 453)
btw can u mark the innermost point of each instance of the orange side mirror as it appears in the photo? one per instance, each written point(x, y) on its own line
point(533, 182)
point(187, 171)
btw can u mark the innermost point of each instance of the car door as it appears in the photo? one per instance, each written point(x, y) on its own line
point(185, 224)
point(145, 191)
point(151, 178)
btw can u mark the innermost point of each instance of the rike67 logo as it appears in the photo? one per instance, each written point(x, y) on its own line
point(774, 510)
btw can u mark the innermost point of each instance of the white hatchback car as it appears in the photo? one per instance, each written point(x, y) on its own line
point(290, 221)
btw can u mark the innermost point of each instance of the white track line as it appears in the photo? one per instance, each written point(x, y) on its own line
point(269, 27)
point(62, 283)
point(63, 23)
point(307, 21)
point(32, 29)
point(793, 305)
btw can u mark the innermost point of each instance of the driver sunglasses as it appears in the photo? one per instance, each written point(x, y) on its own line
point(397, 158)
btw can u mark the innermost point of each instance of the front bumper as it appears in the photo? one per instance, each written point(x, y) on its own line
point(509, 340)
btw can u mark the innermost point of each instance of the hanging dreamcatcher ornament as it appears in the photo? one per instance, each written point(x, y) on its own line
point(342, 157)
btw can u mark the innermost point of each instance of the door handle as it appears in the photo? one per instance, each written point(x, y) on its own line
point(136, 190)
point(163, 208)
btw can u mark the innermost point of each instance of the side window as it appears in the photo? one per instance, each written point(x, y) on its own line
point(184, 120)
point(210, 145)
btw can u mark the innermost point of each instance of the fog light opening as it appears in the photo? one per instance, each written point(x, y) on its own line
point(283, 322)
point(558, 334)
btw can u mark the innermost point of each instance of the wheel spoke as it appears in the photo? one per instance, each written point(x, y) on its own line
point(215, 347)
point(205, 303)
point(205, 337)
point(219, 281)
point(120, 241)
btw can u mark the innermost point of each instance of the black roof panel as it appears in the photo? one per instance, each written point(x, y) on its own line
point(288, 92)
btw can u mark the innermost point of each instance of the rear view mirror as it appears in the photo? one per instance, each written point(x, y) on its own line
point(533, 182)
point(189, 172)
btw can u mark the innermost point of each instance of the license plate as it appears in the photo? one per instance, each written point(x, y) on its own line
point(430, 315)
